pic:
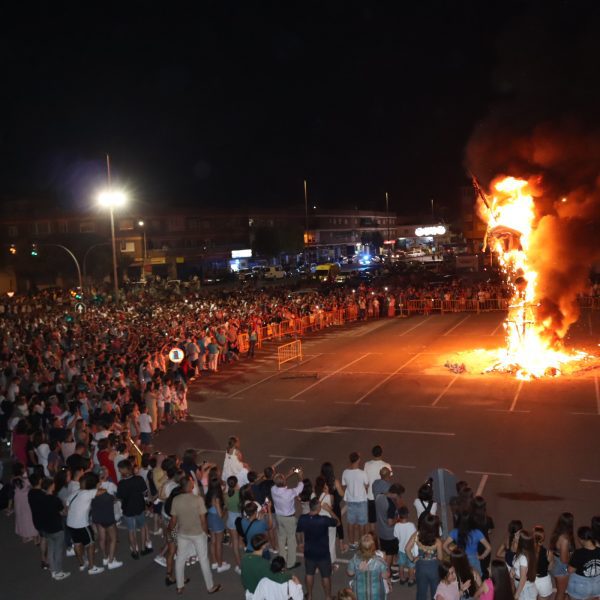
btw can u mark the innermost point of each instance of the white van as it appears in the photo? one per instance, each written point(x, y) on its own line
point(274, 272)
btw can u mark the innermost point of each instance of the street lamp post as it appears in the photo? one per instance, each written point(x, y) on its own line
point(112, 199)
point(145, 255)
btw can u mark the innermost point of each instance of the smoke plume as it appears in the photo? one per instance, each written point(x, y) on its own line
point(546, 129)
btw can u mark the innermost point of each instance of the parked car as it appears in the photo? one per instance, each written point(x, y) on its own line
point(274, 272)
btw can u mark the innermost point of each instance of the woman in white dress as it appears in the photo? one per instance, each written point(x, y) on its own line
point(234, 464)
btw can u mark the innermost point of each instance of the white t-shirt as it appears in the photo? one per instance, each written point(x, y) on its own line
point(372, 468)
point(518, 562)
point(42, 452)
point(402, 532)
point(271, 590)
point(420, 507)
point(145, 421)
point(355, 481)
point(110, 487)
point(79, 505)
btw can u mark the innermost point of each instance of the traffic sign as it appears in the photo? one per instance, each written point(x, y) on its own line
point(176, 355)
point(80, 307)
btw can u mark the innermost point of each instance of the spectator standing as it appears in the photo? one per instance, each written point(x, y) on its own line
point(562, 545)
point(355, 484)
point(425, 549)
point(315, 528)
point(584, 567)
point(132, 491)
point(255, 567)
point(188, 517)
point(267, 589)
point(525, 567)
point(403, 530)
point(372, 469)
point(284, 504)
point(369, 573)
point(386, 510)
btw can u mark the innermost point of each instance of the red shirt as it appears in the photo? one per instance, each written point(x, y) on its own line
point(105, 461)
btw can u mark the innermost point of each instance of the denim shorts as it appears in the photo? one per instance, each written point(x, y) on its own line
point(231, 517)
point(135, 522)
point(357, 513)
point(581, 588)
point(559, 568)
point(404, 561)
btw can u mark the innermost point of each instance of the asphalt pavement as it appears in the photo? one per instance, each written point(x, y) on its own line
point(531, 448)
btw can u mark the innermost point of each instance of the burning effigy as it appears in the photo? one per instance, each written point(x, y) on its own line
point(534, 341)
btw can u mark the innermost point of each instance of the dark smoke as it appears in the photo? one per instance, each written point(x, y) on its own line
point(545, 126)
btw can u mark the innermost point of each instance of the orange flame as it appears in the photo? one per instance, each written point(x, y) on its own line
point(511, 219)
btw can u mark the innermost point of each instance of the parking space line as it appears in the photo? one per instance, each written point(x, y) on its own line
point(481, 485)
point(283, 457)
point(489, 473)
point(289, 400)
point(434, 403)
point(497, 327)
point(455, 326)
point(312, 385)
point(590, 480)
point(428, 406)
point(403, 466)
point(514, 402)
point(386, 379)
point(415, 326)
point(249, 387)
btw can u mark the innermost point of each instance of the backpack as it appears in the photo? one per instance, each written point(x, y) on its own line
point(426, 511)
point(169, 501)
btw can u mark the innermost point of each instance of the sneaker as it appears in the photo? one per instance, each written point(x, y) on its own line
point(60, 575)
point(214, 566)
point(237, 570)
point(157, 532)
point(160, 560)
point(70, 551)
point(147, 551)
point(83, 567)
point(114, 564)
point(224, 567)
point(353, 546)
point(395, 578)
point(95, 570)
point(105, 561)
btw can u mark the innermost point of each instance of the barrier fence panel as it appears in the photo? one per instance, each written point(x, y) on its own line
point(290, 351)
point(243, 342)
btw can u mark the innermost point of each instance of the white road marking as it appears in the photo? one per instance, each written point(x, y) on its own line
point(289, 400)
point(386, 379)
point(514, 402)
point(213, 420)
point(508, 410)
point(489, 473)
point(210, 451)
point(278, 462)
point(342, 429)
point(351, 402)
point(283, 457)
point(587, 414)
point(455, 326)
point(428, 406)
point(590, 480)
point(497, 327)
point(415, 326)
point(403, 466)
point(312, 385)
point(249, 387)
point(597, 393)
point(590, 323)
point(434, 403)
point(481, 485)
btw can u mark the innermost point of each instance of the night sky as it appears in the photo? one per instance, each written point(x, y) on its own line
point(236, 103)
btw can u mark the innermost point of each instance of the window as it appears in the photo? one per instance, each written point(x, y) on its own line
point(41, 227)
point(62, 227)
point(87, 227)
point(176, 224)
point(13, 231)
point(127, 246)
point(126, 225)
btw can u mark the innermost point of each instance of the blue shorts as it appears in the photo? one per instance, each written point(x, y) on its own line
point(559, 568)
point(231, 517)
point(135, 522)
point(404, 561)
point(146, 438)
point(215, 522)
point(582, 588)
point(357, 513)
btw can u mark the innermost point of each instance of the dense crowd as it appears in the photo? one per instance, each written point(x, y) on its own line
point(84, 395)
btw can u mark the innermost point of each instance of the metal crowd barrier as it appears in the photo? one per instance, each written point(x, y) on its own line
point(287, 352)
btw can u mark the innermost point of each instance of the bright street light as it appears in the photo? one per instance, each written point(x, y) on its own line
point(112, 198)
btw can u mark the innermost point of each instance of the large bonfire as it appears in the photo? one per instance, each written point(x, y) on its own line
point(534, 344)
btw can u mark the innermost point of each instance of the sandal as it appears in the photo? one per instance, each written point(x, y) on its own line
point(216, 589)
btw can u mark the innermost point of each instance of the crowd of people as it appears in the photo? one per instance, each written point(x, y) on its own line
point(83, 396)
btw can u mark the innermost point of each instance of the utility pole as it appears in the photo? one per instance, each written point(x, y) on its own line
point(305, 221)
point(387, 217)
point(112, 232)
